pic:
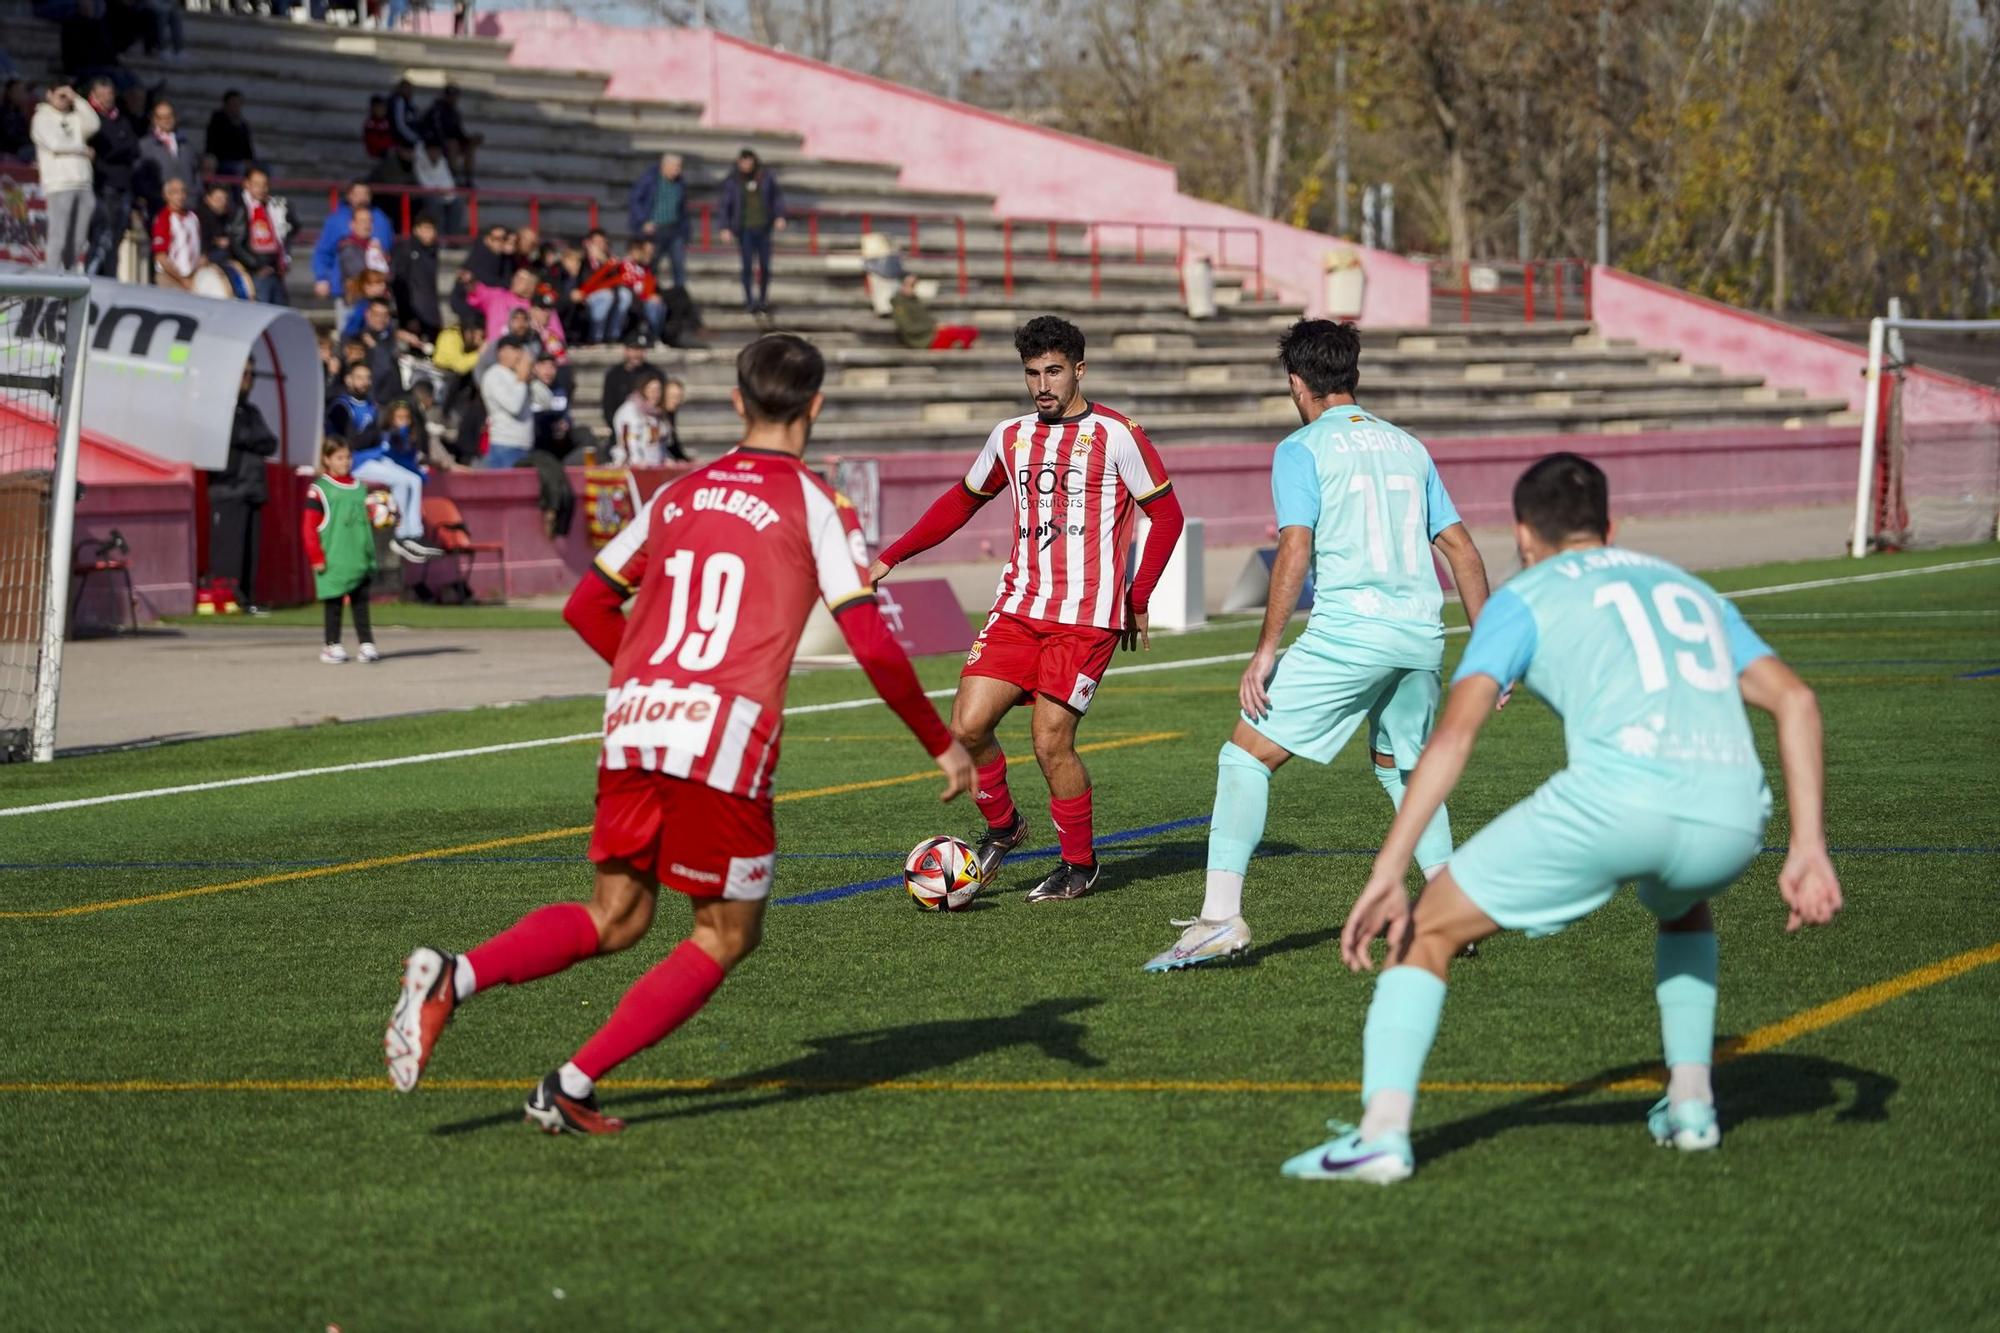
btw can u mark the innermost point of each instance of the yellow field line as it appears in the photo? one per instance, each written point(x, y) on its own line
point(1764, 1038)
point(467, 849)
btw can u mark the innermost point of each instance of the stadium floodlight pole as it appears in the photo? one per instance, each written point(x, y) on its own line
point(75, 292)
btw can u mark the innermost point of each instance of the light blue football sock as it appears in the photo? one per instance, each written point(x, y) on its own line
point(1434, 843)
point(1402, 1023)
point(1684, 964)
point(1242, 796)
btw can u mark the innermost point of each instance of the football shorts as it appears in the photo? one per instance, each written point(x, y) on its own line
point(1059, 662)
point(692, 838)
point(1559, 856)
point(1318, 702)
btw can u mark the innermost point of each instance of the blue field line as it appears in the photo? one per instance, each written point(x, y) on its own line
point(578, 859)
point(891, 881)
point(1981, 675)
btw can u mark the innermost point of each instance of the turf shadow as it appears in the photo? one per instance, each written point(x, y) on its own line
point(1771, 1085)
point(855, 1061)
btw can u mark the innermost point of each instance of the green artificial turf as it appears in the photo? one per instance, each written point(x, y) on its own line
point(1855, 1188)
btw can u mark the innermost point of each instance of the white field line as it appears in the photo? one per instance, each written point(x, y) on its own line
point(842, 705)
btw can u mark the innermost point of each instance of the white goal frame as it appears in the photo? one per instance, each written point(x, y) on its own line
point(1871, 406)
point(73, 291)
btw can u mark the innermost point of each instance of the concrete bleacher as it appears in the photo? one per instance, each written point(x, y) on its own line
point(553, 130)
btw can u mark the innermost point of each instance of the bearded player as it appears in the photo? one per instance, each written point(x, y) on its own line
point(1080, 473)
point(725, 563)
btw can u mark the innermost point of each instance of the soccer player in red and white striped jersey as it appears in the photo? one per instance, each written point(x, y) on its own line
point(1079, 473)
point(726, 563)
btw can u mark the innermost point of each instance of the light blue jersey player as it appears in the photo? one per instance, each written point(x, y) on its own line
point(1361, 503)
point(1649, 670)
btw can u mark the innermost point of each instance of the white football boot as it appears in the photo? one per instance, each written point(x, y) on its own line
point(1202, 942)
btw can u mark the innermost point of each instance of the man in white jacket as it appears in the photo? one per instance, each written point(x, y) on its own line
point(61, 129)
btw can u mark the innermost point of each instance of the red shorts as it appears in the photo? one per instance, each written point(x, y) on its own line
point(1059, 662)
point(691, 837)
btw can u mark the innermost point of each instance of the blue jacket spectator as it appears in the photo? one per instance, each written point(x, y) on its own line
point(326, 254)
point(736, 202)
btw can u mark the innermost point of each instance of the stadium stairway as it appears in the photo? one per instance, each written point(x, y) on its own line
point(549, 129)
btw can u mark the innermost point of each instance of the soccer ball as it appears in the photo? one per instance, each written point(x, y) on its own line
point(942, 875)
point(381, 509)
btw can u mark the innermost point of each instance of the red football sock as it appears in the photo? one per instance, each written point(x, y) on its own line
point(992, 796)
point(543, 942)
point(666, 997)
point(1071, 815)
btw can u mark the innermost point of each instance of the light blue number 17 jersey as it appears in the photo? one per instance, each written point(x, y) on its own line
point(1640, 659)
point(1372, 497)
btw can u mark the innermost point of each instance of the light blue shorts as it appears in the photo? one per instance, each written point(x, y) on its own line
point(1319, 700)
point(1559, 856)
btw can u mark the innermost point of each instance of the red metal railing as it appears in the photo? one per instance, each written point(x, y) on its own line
point(1492, 290)
point(405, 210)
point(1035, 239)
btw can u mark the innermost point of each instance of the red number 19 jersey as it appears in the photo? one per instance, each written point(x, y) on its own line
point(726, 563)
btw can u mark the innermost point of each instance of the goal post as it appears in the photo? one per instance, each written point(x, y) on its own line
point(1927, 484)
point(44, 322)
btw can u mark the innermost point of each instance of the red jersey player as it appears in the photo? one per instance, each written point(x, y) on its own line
point(725, 563)
point(1079, 472)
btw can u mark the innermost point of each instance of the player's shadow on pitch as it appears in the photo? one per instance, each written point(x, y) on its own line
point(856, 1061)
point(1771, 1085)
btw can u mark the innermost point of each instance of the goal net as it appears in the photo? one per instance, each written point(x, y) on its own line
point(43, 319)
point(1928, 477)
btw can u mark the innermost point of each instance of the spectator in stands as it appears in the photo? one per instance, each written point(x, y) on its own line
point(395, 461)
point(753, 207)
point(373, 285)
point(511, 395)
point(353, 414)
point(360, 251)
point(237, 493)
point(62, 129)
point(228, 140)
point(671, 397)
point(622, 380)
point(554, 440)
point(177, 253)
point(413, 269)
point(213, 212)
point(491, 259)
point(660, 212)
point(638, 275)
point(167, 39)
point(681, 322)
point(528, 250)
point(164, 154)
point(331, 366)
point(93, 35)
point(378, 135)
point(546, 328)
point(406, 124)
point(494, 304)
point(326, 254)
point(562, 277)
point(552, 415)
point(607, 301)
point(258, 235)
point(114, 153)
point(639, 427)
point(17, 115)
point(447, 127)
point(918, 329)
point(433, 172)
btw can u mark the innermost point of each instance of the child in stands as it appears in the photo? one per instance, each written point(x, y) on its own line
point(340, 544)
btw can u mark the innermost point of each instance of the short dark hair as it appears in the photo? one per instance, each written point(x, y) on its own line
point(255, 170)
point(510, 340)
point(233, 92)
point(381, 301)
point(1049, 333)
point(778, 374)
point(1324, 355)
point(1562, 495)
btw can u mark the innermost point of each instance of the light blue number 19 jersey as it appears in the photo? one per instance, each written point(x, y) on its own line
point(1372, 497)
point(1640, 659)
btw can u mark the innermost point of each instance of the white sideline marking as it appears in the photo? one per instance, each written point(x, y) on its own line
point(49, 807)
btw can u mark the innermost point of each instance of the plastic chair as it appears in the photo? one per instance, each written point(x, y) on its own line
point(448, 532)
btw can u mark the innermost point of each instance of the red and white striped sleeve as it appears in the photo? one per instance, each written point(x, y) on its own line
point(840, 553)
point(1138, 463)
point(987, 476)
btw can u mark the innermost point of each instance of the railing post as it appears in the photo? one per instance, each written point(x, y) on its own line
point(535, 211)
point(593, 213)
point(1464, 293)
point(1053, 252)
point(916, 237)
point(1180, 261)
point(1007, 257)
point(867, 224)
point(406, 212)
point(812, 232)
point(958, 228)
point(706, 218)
point(1528, 293)
point(1557, 269)
point(1138, 242)
point(1096, 271)
point(472, 210)
point(1589, 311)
